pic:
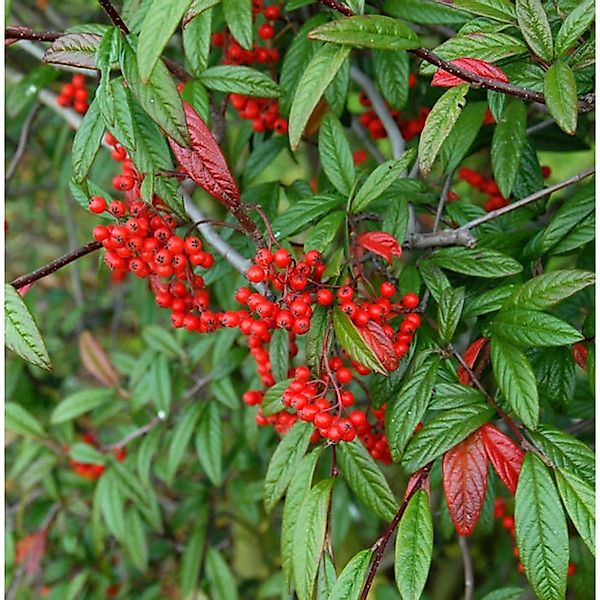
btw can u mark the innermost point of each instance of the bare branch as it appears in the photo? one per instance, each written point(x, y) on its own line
point(449, 237)
point(21, 147)
point(468, 567)
point(442, 202)
point(114, 15)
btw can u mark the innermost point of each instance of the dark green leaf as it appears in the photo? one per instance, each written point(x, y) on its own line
point(79, 403)
point(395, 219)
point(220, 578)
point(182, 434)
point(235, 79)
point(135, 540)
point(443, 433)
point(489, 301)
point(309, 537)
point(335, 154)
point(500, 10)
point(324, 232)
point(87, 141)
point(435, 279)
point(516, 380)
point(162, 384)
point(391, 75)
point(319, 325)
point(209, 443)
point(478, 262)
point(262, 156)
point(512, 593)
point(302, 213)
point(351, 579)
point(365, 479)
point(272, 402)
point(285, 461)
point(20, 421)
point(439, 124)
point(279, 354)
point(508, 144)
point(192, 555)
point(318, 75)
point(352, 342)
point(534, 25)
point(197, 42)
point(414, 547)
point(372, 31)
point(533, 328)
point(21, 334)
point(541, 530)
point(560, 92)
point(238, 16)
point(408, 406)
point(111, 503)
point(159, 24)
point(575, 24)
point(450, 307)
point(424, 11)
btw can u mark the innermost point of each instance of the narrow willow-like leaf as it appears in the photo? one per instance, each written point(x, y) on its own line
point(221, 580)
point(284, 462)
point(279, 354)
point(87, 141)
point(20, 421)
point(541, 530)
point(182, 434)
point(238, 16)
point(351, 579)
point(21, 334)
point(318, 75)
point(366, 479)
point(209, 443)
point(450, 307)
point(192, 555)
point(335, 154)
point(414, 547)
point(309, 537)
point(439, 124)
point(79, 403)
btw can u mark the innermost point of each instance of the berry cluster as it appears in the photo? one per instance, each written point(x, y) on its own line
point(489, 186)
point(92, 471)
point(508, 523)
point(263, 112)
point(409, 128)
point(74, 94)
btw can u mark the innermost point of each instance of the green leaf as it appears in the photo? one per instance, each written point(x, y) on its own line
point(351, 579)
point(533, 328)
point(25, 92)
point(272, 403)
point(548, 289)
point(318, 75)
point(20, 421)
point(86, 453)
point(115, 102)
point(516, 380)
point(508, 145)
point(450, 395)
point(534, 25)
point(478, 262)
point(424, 11)
point(450, 307)
point(463, 134)
point(395, 219)
point(284, 462)
point(240, 80)
point(135, 540)
point(442, 433)
point(87, 141)
point(220, 578)
point(21, 334)
point(316, 335)
point(349, 338)
point(391, 75)
point(159, 97)
point(382, 177)
point(408, 406)
point(182, 434)
point(366, 479)
point(303, 212)
point(309, 537)
point(560, 92)
point(481, 303)
point(414, 547)
point(161, 383)
point(209, 443)
point(111, 503)
point(440, 121)
point(159, 25)
point(197, 42)
point(191, 560)
point(541, 530)
point(499, 10)
point(324, 232)
point(74, 49)
point(488, 46)
point(511, 593)
point(262, 156)
point(238, 16)
point(297, 492)
point(335, 154)
point(435, 279)
point(371, 31)
point(576, 23)
point(566, 451)
point(326, 576)
point(279, 354)
point(79, 403)
point(160, 339)
point(580, 501)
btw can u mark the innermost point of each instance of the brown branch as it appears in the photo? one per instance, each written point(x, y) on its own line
point(528, 200)
point(17, 32)
point(379, 546)
point(339, 7)
point(55, 265)
point(114, 15)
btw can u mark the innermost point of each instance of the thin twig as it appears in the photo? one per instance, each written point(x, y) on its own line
point(134, 434)
point(379, 546)
point(18, 32)
point(338, 6)
point(55, 265)
point(528, 200)
point(381, 110)
point(540, 126)
point(449, 237)
point(468, 567)
point(114, 15)
point(442, 202)
point(22, 145)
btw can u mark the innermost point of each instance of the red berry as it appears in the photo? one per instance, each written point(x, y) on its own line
point(344, 375)
point(359, 157)
point(97, 205)
point(280, 126)
point(218, 39)
point(117, 208)
point(324, 297)
point(282, 258)
point(266, 31)
point(410, 300)
point(272, 12)
point(387, 289)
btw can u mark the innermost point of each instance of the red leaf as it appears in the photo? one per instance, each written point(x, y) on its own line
point(381, 243)
point(30, 550)
point(504, 454)
point(470, 356)
point(474, 65)
point(204, 162)
point(415, 478)
point(580, 355)
point(380, 343)
point(464, 469)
